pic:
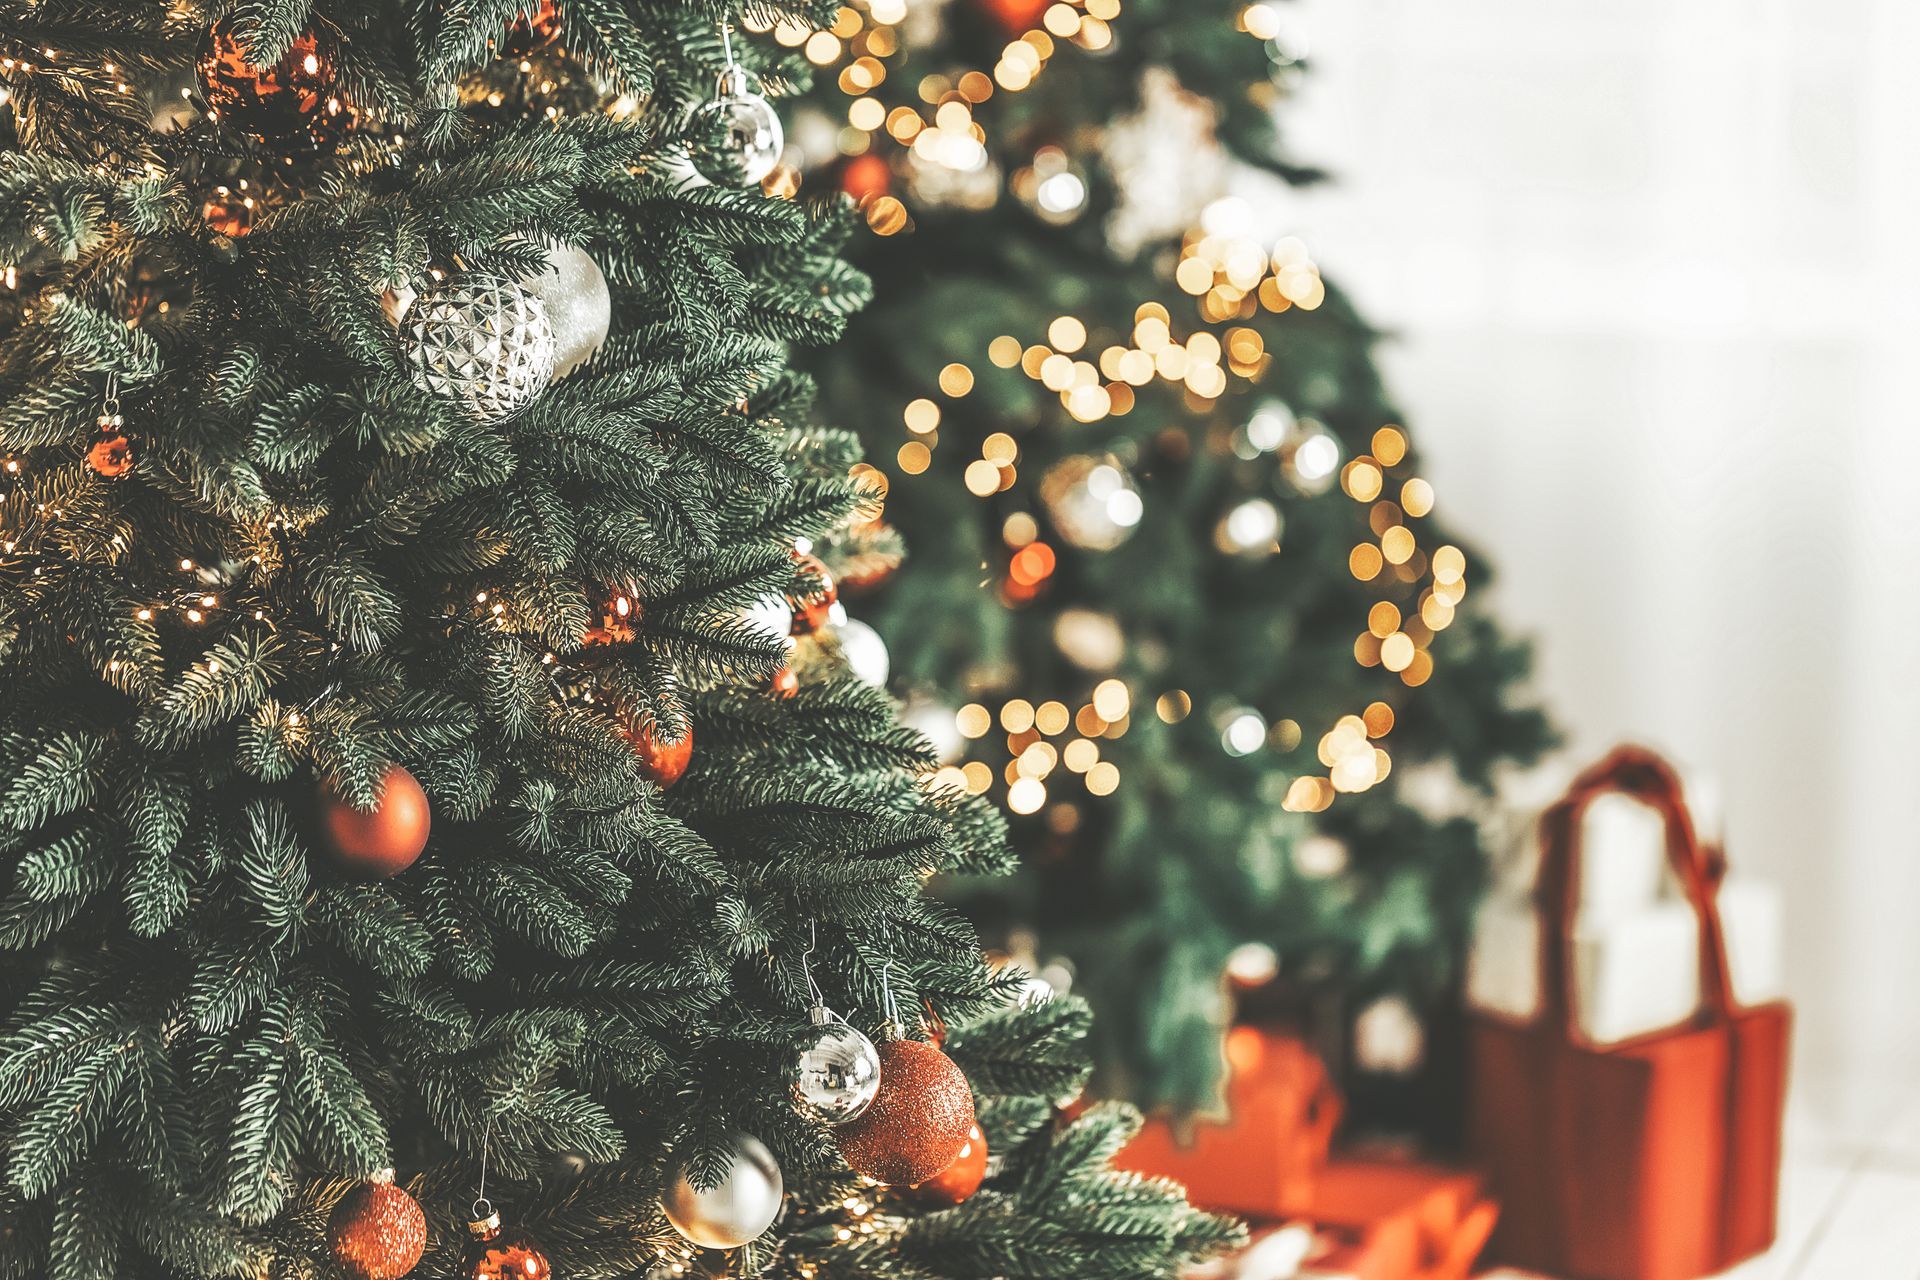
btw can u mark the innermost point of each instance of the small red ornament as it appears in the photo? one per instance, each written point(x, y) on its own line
point(111, 455)
point(865, 175)
point(917, 1124)
point(1015, 17)
point(664, 762)
point(293, 104)
point(958, 1181)
point(495, 1253)
point(812, 599)
point(532, 31)
point(383, 843)
point(377, 1231)
point(786, 682)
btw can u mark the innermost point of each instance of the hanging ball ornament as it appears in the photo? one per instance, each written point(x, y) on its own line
point(480, 341)
point(735, 1211)
point(537, 27)
point(500, 1253)
point(956, 1183)
point(295, 104)
point(111, 454)
point(838, 1071)
point(812, 595)
point(377, 1231)
point(385, 842)
point(574, 291)
point(664, 762)
point(917, 1124)
point(786, 682)
point(865, 652)
point(735, 138)
point(1015, 17)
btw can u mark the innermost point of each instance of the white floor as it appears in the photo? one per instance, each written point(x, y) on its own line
point(1850, 1210)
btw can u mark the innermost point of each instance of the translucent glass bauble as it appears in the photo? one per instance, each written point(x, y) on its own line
point(480, 341)
point(741, 1207)
point(865, 652)
point(735, 138)
point(579, 308)
point(1091, 501)
point(837, 1073)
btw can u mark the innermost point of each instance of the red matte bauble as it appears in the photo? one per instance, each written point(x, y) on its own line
point(917, 1124)
point(499, 1253)
point(786, 682)
point(377, 1231)
point(867, 174)
point(958, 1181)
point(111, 455)
point(812, 596)
point(294, 104)
point(1015, 16)
point(664, 762)
point(382, 843)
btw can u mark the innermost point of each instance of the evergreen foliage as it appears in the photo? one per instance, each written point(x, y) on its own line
point(1143, 107)
point(315, 571)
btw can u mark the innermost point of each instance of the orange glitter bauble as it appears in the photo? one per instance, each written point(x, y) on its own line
point(293, 104)
point(495, 1253)
point(377, 1231)
point(958, 1181)
point(812, 596)
point(919, 1122)
point(111, 455)
point(382, 843)
point(664, 762)
point(786, 682)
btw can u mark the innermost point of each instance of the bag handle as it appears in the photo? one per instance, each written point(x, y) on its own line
point(1643, 775)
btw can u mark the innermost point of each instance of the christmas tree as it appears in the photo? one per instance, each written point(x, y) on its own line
point(1179, 600)
point(428, 851)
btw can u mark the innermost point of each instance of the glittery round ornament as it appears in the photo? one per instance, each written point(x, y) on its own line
point(736, 1211)
point(956, 1183)
point(480, 341)
point(377, 1231)
point(579, 308)
point(501, 1253)
point(917, 1124)
point(294, 104)
point(735, 139)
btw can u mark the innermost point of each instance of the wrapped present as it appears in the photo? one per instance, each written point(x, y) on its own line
point(1655, 1157)
point(1397, 1220)
point(1262, 1159)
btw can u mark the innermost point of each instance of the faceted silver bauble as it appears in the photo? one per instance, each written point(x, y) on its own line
point(480, 341)
point(838, 1071)
point(578, 305)
point(735, 138)
point(738, 1210)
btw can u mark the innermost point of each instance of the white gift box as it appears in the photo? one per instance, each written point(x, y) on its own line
point(1634, 971)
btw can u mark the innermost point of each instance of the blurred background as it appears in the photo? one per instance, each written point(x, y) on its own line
point(1649, 274)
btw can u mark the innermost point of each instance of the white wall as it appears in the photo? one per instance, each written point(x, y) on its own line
point(1654, 271)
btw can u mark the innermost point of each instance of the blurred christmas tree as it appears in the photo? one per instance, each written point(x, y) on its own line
point(423, 856)
point(1178, 599)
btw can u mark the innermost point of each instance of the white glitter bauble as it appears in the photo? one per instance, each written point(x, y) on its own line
point(735, 139)
point(735, 1212)
point(579, 308)
point(482, 342)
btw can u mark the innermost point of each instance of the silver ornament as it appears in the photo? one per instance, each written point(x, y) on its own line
point(838, 1071)
point(1092, 501)
point(578, 306)
point(736, 137)
point(865, 652)
point(739, 1209)
point(480, 341)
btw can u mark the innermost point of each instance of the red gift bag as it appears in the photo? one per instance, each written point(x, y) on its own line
point(1657, 1158)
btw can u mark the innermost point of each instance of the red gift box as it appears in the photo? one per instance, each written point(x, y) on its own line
point(1655, 1158)
point(1260, 1161)
point(1398, 1220)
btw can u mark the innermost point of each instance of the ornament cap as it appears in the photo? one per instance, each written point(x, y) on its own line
point(820, 1015)
point(485, 1223)
point(893, 1029)
point(734, 81)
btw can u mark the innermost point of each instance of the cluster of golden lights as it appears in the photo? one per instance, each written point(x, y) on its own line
point(1046, 741)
